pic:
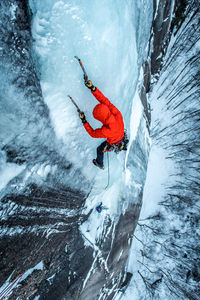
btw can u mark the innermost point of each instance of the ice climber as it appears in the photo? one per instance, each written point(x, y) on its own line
point(113, 125)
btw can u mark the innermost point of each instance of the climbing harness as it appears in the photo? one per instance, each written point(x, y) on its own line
point(82, 67)
point(118, 146)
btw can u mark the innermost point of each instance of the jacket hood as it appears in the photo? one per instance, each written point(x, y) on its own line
point(101, 113)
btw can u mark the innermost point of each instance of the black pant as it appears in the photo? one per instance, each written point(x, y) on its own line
point(100, 153)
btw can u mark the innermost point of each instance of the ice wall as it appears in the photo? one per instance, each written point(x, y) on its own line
point(101, 34)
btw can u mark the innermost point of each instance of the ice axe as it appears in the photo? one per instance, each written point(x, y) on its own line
point(78, 109)
point(81, 114)
point(82, 67)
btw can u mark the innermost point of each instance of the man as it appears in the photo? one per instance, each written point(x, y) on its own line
point(113, 125)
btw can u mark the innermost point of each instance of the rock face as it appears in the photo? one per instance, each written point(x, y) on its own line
point(107, 271)
point(158, 44)
point(44, 226)
point(53, 237)
point(40, 218)
point(170, 242)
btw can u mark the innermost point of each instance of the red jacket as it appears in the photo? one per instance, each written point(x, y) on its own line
point(110, 116)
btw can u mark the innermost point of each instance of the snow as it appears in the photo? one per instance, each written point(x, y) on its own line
point(13, 11)
point(157, 178)
point(8, 171)
point(136, 115)
point(39, 266)
point(50, 279)
point(158, 172)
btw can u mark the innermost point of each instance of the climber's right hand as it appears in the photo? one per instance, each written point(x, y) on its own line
point(89, 85)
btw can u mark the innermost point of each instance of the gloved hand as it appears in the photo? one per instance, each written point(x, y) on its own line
point(82, 117)
point(89, 85)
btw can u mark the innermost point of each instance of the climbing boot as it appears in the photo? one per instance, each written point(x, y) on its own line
point(97, 164)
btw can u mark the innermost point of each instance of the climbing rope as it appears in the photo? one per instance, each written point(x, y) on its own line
point(108, 173)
